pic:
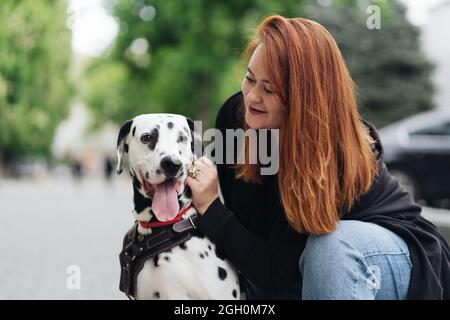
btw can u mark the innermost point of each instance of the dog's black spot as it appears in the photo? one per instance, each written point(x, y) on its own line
point(134, 131)
point(136, 182)
point(222, 273)
point(202, 255)
point(190, 124)
point(188, 192)
point(154, 136)
point(156, 295)
point(125, 147)
point(234, 293)
point(124, 131)
point(179, 151)
point(170, 124)
point(158, 171)
point(155, 260)
point(183, 246)
point(209, 247)
point(206, 253)
point(157, 126)
point(140, 202)
point(167, 258)
point(147, 175)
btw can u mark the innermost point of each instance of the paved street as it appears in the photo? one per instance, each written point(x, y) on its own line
point(49, 225)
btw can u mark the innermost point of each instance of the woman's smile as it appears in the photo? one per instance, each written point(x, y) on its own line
point(255, 111)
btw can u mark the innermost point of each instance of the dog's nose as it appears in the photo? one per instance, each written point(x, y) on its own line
point(170, 166)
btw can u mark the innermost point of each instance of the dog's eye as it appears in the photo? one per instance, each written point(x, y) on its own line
point(181, 139)
point(146, 137)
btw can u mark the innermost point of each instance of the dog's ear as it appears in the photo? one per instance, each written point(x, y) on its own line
point(122, 147)
point(196, 144)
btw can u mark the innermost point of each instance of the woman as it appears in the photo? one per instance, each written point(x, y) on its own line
point(332, 223)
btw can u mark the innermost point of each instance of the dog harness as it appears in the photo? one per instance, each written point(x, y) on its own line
point(138, 248)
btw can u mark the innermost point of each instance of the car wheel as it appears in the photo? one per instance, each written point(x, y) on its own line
point(407, 181)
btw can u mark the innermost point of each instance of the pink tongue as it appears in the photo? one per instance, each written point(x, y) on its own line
point(165, 201)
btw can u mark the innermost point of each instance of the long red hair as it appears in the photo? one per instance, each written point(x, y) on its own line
point(326, 161)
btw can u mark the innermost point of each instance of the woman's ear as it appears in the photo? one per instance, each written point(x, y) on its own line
point(122, 146)
point(197, 143)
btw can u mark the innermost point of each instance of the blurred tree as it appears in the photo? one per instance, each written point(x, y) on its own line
point(387, 64)
point(34, 87)
point(180, 56)
point(175, 56)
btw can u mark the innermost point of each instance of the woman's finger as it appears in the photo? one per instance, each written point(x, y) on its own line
point(191, 182)
point(205, 160)
point(201, 166)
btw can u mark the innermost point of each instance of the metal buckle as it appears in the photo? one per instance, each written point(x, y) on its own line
point(192, 222)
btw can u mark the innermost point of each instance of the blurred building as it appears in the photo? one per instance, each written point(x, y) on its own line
point(436, 44)
point(87, 150)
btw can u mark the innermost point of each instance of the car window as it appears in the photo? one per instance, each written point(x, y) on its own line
point(442, 129)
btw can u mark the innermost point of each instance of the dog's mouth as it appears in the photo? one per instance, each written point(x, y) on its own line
point(164, 196)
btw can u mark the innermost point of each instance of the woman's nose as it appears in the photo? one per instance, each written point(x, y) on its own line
point(253, 96)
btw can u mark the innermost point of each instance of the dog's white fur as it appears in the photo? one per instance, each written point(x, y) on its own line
point(191, 273)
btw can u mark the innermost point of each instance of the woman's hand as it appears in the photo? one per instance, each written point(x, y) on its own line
point(205, 185)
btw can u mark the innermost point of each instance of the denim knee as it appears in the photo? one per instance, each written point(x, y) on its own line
point(357, 261)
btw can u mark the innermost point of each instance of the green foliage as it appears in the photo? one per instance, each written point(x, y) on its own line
point(34, 86)
point(186, 53)
point(390, 71)
point(188, 67)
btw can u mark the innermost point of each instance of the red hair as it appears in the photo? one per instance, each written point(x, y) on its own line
point(326, 161)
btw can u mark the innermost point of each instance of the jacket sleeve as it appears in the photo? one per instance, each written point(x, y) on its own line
point(270, 264)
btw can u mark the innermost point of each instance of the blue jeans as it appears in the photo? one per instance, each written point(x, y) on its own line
point(358, 261)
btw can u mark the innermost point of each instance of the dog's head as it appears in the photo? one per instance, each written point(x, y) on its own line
point(160, 150)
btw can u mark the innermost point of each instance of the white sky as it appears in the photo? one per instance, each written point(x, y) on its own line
point(418, 10)
point(94, 29)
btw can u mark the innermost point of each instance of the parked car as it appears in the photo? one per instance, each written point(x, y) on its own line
point(417, 152)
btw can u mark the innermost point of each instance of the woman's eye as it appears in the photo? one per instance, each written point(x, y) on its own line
point(250, 79)
point(146, 137)
point(267, 91)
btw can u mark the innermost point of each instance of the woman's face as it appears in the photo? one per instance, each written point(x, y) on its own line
point(263, 109)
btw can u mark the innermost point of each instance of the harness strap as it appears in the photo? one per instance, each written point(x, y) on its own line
point(185, 225)
point(137, 249)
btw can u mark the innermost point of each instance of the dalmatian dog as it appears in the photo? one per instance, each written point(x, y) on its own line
point(160, 149)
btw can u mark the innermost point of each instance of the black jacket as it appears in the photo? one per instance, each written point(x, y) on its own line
point(252, 232)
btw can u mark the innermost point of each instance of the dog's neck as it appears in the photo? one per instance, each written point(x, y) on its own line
point(147, 219)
